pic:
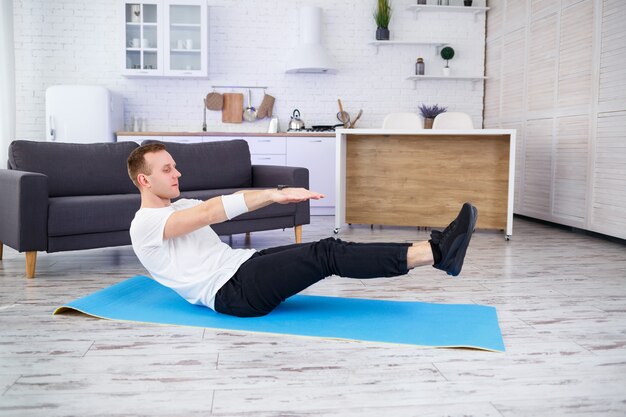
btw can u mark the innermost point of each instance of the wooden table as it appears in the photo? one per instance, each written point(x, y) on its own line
point(422, 177)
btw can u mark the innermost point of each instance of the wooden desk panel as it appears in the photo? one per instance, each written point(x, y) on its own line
point(422, 180)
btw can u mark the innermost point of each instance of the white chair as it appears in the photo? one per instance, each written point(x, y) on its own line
point(453, 120)
point(402, 121)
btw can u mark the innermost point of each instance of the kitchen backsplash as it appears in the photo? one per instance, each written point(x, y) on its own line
point(76, 42)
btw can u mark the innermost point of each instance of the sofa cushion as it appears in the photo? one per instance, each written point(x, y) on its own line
point(273, 210)
point(91, 214)
point(76, 168)
point(212, 165)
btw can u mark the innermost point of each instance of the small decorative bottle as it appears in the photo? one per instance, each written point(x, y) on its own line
point(419, 67)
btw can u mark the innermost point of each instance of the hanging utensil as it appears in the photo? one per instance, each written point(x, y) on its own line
point(233, 108)
point(343, 116)
point(358, 116)
point(266, 107)
point(214, 101)
point(204, 120)
point(249, 114)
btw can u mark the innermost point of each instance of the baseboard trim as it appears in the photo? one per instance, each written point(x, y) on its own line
point(573, 229)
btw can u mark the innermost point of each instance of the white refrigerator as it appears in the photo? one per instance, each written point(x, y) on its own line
point(83, 114)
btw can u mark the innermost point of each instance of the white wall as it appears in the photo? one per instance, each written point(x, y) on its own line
point(65, 42)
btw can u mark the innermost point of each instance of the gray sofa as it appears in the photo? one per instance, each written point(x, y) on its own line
point(66, 196)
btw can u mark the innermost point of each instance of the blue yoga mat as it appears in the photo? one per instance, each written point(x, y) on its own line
point(141, 299)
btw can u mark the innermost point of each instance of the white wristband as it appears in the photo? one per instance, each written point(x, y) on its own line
point(234, 205)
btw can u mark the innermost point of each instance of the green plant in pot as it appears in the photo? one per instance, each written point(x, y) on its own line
point(429, 113)
point(447, 53)
point(382, 16)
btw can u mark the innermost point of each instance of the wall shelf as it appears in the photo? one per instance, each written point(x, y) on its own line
point(417, 8)
point(377, 44)
point(416, 78)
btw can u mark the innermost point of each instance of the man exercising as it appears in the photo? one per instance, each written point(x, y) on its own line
point(178, 247)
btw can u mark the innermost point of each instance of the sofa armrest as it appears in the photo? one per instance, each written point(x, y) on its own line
point(24, 210)
point(271, 176)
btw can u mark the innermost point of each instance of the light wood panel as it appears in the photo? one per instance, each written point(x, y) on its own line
point(575, 88)
point(542, 63)
point(570, 160)
point(575, 52)
point(513, 69)
point(493, 62)
point(612, 92)
point(537, 166)
point(520, 129)
point(609, 195)
point(423, 180)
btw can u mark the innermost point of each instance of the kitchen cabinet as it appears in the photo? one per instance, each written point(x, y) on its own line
point(263, 150)
point(165, 38)
point(318, 155)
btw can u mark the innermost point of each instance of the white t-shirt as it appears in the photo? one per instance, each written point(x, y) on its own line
point(195, 265)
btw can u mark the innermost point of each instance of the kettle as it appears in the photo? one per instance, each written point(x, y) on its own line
point(296, 124)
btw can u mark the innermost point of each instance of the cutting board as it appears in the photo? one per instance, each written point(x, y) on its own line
point(233, 108)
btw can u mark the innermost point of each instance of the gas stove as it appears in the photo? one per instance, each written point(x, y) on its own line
point(317, 128)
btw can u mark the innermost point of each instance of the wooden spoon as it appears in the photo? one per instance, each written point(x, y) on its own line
point(343, 116)
point(358, 116)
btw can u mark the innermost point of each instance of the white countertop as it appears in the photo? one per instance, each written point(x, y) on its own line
point(429, 132)
point(234, 134)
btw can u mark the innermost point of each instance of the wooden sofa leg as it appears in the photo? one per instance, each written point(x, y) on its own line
point(1, 246)
point(31, 262)
point(298, 230)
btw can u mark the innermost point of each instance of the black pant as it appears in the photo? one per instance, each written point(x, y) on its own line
point(272, 275)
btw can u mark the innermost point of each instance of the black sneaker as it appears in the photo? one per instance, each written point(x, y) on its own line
point(449, 246)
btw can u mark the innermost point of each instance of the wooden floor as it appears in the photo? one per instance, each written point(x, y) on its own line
point(560, 296)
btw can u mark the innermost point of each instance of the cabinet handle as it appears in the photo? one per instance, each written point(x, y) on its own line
point(187, 72)
point(265, 140)
point(314, 141)
point(264, 158)
point(143, 72)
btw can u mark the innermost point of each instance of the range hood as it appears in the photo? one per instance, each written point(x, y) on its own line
point(310, 56)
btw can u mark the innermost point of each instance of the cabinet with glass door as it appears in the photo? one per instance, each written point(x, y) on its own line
point(186, 38)
point(166, 38)
point(142, 54)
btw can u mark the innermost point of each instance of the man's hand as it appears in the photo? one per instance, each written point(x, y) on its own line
point(294, 195)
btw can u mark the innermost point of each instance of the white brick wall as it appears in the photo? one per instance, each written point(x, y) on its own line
point(76, 42)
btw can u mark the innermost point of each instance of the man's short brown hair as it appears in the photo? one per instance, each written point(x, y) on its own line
point(136, 162)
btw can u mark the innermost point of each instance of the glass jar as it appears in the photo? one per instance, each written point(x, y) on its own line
point(419, 67)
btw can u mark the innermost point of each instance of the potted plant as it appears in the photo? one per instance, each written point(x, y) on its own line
point(382, 16)
point(429, 113)
point(447, 53)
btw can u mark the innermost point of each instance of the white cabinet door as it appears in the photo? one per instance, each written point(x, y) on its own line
point(165, 38)
point(185, 38)
point(143, 39)
point(264, 145)
point(264, 150)
point(318, 155)
point(279, 160)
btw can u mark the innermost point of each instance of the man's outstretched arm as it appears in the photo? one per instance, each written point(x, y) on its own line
point(212, 211)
